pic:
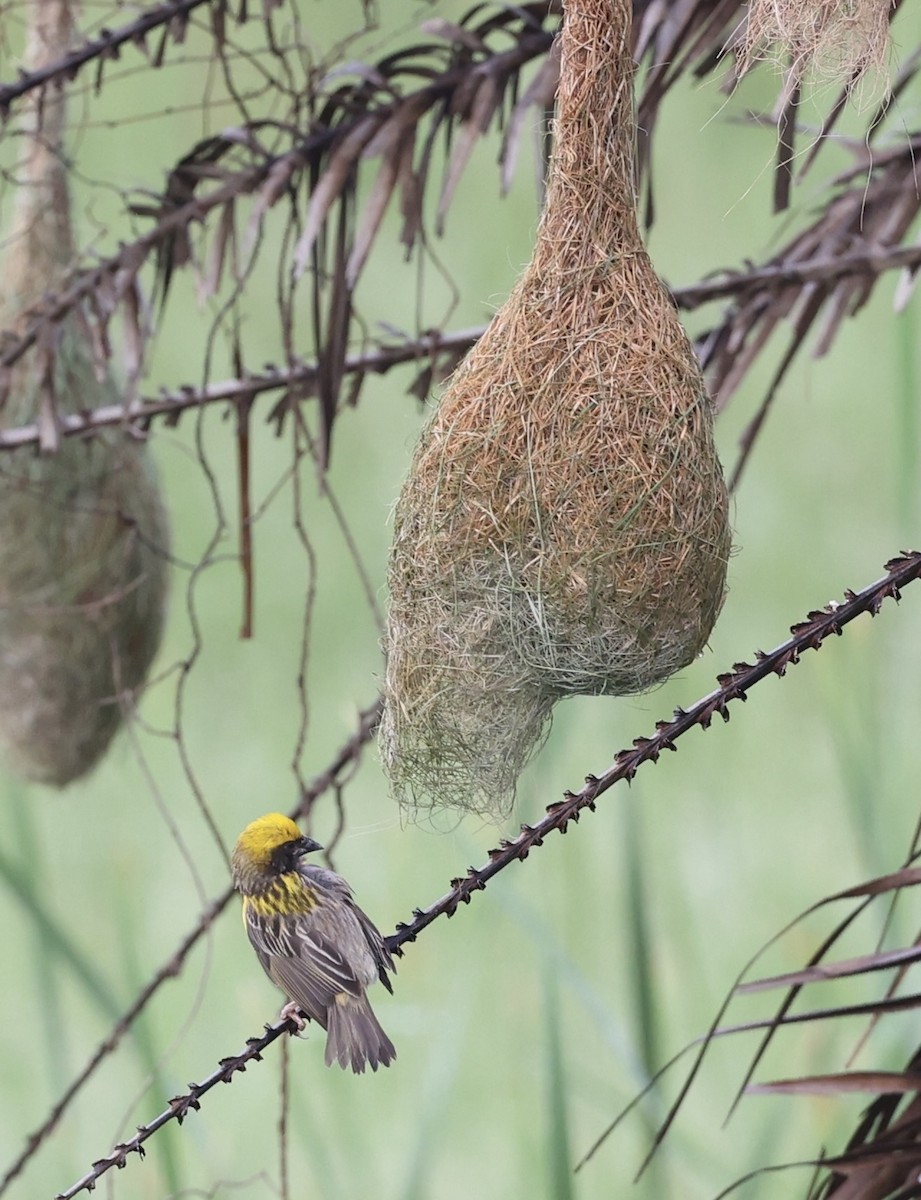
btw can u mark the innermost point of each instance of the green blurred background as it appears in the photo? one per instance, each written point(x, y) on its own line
point(524, 1024)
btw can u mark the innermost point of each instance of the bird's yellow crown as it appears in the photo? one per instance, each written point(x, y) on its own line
point(262, 837)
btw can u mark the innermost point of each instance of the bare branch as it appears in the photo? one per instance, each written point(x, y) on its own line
point(179, 1108)
point(733, 685)
point(106, 45)
point(737, 285)
point(300, 381)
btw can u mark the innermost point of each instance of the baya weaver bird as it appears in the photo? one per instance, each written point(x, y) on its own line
point(313, 940)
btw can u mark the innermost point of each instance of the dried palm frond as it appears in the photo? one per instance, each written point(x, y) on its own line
point(395, 133)
point(824, 274)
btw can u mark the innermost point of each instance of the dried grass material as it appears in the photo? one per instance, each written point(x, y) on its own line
point(841, 40)
point(563, 528)
point(83, 533)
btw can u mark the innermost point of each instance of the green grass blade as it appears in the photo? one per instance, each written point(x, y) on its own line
point(559, 1159)
point(25, 887)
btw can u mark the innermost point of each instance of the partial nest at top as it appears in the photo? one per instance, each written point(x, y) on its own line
point(840, 40)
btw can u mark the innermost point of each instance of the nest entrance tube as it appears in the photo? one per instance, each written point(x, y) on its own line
point(83, 532)
point(563, 528)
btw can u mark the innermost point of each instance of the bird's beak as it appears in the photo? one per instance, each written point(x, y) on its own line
point(306, 845)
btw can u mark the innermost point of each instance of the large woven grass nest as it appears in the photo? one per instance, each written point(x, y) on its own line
point(563, 528)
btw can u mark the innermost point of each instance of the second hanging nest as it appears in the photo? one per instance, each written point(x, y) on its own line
point(83, 532)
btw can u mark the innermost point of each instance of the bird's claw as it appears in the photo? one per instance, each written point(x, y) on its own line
point(291, 1012)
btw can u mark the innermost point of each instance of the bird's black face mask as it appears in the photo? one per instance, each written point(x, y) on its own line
point(288, 857)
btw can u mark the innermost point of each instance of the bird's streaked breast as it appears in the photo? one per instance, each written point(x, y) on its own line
point(285, 896)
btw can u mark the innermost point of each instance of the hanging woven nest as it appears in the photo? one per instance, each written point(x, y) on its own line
point(563, 528)
point(83, 533)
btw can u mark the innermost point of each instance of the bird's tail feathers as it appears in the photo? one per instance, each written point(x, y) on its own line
point(354, 1036)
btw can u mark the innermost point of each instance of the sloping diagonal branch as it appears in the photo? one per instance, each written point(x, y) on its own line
point(172, 16)
point(733, 685)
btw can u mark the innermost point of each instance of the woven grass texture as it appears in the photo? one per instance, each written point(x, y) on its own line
point(563, 528)
point(840, 40)
point(83, 532)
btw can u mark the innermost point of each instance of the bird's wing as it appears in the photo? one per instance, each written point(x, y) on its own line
point(330, 882)
point(305, 964)
point(383, 959)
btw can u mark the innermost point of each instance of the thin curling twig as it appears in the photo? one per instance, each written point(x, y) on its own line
point(733, 685)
